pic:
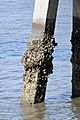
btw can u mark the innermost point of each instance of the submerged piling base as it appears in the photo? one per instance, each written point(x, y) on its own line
point(38, 65)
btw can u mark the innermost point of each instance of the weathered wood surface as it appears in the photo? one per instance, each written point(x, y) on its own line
point(51, 17)
point(40, 11)
point(38, 57)
point(76, 49)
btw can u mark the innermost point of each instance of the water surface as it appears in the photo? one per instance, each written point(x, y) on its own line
point(15, 28)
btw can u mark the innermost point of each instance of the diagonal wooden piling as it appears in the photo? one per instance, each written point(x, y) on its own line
point(76, 50)
point(37, 59)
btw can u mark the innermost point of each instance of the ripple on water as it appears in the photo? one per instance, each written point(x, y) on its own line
point(15, 27)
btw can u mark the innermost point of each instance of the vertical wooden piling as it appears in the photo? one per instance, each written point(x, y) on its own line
point(51, 17)
point(76, 50)
point(38, 57)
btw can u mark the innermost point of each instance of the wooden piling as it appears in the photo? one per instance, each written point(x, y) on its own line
point(75, 59)
point(37, 59)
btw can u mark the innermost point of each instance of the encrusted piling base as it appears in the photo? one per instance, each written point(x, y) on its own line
point(38, 65)
point(76, 58)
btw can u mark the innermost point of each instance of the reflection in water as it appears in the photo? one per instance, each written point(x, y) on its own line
point(33, 112)
point(76, 108)
point(55, 110)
